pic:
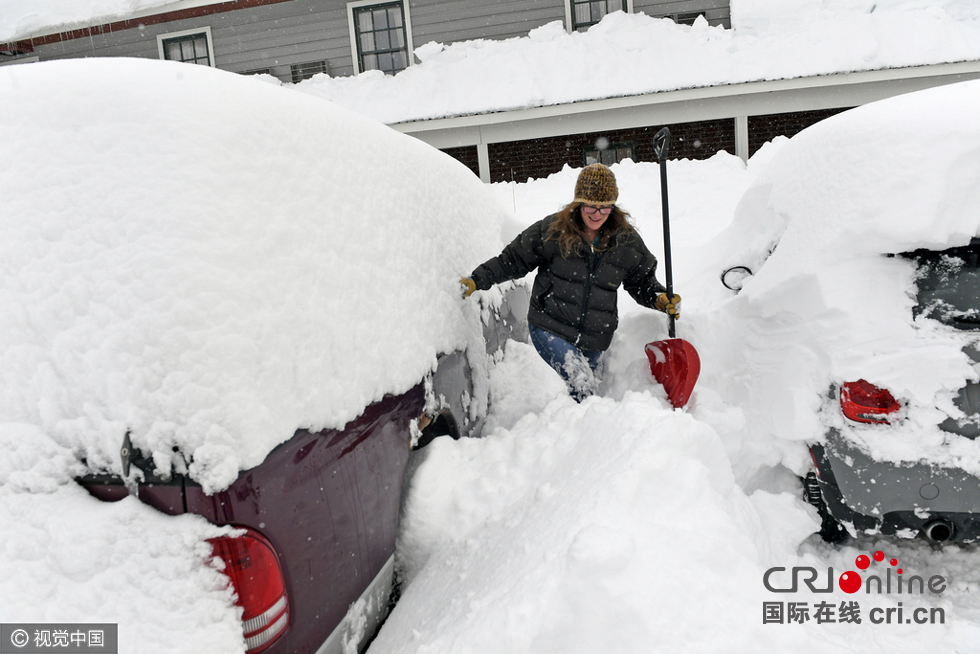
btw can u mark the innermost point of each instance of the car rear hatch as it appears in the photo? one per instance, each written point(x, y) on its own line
point(322, 510)
point(948, 290)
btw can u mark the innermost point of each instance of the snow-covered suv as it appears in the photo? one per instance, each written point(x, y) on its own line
point(241, 305)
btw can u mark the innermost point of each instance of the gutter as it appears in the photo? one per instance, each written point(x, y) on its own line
point(164, 13)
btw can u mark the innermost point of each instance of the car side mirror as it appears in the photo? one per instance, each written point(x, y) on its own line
point(734, 278)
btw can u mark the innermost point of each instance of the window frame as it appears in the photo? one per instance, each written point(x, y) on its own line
point(618, 145)
point(570, 14)
point(302, 70)
point(407, 23)
point(206, 30)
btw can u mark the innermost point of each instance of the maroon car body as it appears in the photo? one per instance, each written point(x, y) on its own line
point(326, 505)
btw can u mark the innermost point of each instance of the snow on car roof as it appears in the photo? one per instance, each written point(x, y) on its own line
point(211, 262)
point(828, 305)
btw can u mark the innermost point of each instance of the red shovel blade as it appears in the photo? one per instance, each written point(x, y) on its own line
point(676, 365)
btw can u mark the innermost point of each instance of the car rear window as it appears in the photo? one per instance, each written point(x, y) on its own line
point(948, 285)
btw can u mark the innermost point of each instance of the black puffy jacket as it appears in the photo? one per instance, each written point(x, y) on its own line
point(575, 297)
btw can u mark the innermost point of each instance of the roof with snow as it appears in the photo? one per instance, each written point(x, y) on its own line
point(623, 55)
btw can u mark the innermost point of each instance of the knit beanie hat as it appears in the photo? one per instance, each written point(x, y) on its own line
point(596, 185)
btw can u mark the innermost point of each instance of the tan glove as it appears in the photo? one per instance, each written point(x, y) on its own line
point(670, 306)
point(468, 286)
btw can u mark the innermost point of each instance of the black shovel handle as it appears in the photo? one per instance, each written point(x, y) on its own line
point(661, 142)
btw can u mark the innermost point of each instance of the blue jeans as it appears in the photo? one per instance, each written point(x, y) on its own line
point(581, 369)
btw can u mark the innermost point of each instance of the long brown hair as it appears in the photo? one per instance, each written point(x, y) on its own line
point(569, 230)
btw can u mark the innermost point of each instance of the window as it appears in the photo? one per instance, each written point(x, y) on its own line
point(687, 19)
point(381, 36)
point(583, 14)
point(607, 153)
point(307, 70)
point(192, 47)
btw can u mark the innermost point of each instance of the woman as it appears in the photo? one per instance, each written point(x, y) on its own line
point(583, 254)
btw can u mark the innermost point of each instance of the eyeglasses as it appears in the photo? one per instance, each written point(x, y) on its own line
point(588, 208)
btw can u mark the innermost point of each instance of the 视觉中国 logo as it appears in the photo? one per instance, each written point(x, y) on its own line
point(875, 575)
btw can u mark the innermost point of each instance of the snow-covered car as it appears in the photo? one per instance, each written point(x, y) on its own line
point(940, 502)
point(237, 301)
point(863, 316)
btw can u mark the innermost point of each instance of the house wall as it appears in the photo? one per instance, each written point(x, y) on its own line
point(270, 36)
point(273, 35)
point(519, 160)
point(463, 20)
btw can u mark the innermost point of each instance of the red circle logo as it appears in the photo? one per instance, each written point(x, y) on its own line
point(850, 582)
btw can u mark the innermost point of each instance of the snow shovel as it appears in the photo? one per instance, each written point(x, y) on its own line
point(674, 362)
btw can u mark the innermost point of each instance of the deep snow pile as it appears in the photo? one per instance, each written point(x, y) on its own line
point(568, 531)
point(621, 525)
point(617, 525)
point(631, 54)
point(213, 281)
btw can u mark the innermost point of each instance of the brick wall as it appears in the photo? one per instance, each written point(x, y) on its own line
point(467, 156)
point(536, 158)
point(519, 160)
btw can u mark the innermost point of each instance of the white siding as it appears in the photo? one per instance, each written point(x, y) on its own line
point(301, 31)
point(462, 20)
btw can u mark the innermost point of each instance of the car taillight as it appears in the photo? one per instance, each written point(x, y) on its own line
point(862, 401)
point(253, 567)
